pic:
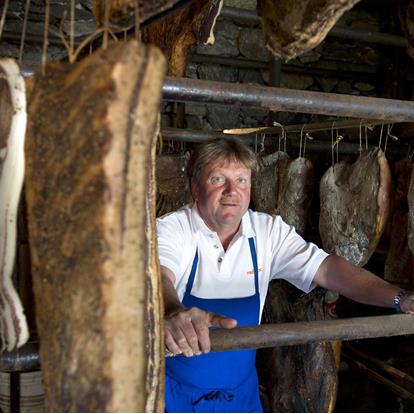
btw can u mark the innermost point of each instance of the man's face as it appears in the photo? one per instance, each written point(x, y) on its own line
point(223, 194)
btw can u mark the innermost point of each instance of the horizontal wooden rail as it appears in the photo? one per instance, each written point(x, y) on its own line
point(297, 333)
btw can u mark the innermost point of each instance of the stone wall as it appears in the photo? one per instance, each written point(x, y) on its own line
point(335, 66)
point(342, 66)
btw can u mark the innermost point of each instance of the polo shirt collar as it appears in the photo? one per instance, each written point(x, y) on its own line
point(246, 228)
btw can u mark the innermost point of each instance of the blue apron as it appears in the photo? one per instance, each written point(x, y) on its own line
point(218, 381)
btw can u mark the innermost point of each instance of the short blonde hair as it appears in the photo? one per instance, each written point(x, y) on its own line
point(220, 149)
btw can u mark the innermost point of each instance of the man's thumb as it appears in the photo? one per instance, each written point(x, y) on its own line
point(221, 321)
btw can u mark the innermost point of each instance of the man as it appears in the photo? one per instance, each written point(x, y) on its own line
point(217, 259)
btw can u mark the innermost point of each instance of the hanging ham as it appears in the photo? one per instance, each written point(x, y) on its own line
point(399, 263)
point(178, 31)
point(293, 28)
point(13, 326)
point(295, 194)
point(284, 187)
point(173, 190)
point(355, 205)
point(267, 181)
point(90, 191)
point(300, 378)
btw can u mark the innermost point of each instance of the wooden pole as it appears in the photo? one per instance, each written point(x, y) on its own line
point(297, 333)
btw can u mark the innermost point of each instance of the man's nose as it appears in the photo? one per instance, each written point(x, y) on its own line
point(230, 187)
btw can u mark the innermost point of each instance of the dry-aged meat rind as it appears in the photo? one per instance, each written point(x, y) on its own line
point(300, 378)
point(267, 181)
point(355, 204)
point(178, 31)
point(406, 16)
point(283, 186)
point(173, 190)
point(13, 118)
point(295, 195)
point(91, 207)
point(294, 27)
point(399, 263)
point(410, 200)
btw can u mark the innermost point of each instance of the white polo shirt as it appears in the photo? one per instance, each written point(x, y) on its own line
point(281, 254)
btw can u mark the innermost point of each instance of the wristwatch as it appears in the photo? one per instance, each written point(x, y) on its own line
point(398, 298)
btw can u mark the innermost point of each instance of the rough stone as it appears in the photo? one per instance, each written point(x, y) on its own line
point(327, 84)
point(191, 71)
point(226, 34)
point(193, 122)
point(241, 4)
point(250, 76)
point(292, 81)
point(252, 45)
point(217, 73)
point(354, 18)
point(309, 57)
point(194, 109)
point(370, 57)
point(81, 27)
point(9, 50)
point(221, 117)
point(265, 76)
point(344, 87)
point(364, 87)
point(257, 114)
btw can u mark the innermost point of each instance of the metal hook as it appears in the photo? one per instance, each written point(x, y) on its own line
point(380, 139)
point(307, 136)
point(262, 146)
point(300, 144)
point(332, 143)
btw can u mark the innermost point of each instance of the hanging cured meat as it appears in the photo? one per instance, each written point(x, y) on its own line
point(406, 16)
point(177, 32)
point(295, 194)
point(399, 263)
point(410, 200)
point(293, 28)
point(268, 180)
point(284, 187)
point(173, 190)
point(13, 326)
point(90, 191)
point(301, 378)
point(355, 204)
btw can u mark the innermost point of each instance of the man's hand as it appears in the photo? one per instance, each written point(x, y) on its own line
point(186, 330)
point(407, 302)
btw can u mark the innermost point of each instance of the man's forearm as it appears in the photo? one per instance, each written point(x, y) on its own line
point(337, 274)
point(171, 301)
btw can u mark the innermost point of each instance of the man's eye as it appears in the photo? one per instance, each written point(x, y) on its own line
point(217, 180)
point(242, 180)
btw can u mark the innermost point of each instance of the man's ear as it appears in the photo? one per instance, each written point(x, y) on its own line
point(194, 190)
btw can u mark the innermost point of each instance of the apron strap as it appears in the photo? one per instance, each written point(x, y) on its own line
point(254, 260)
point(191, 278)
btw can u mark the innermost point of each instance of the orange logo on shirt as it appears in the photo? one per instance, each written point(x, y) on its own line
point(251, 272)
